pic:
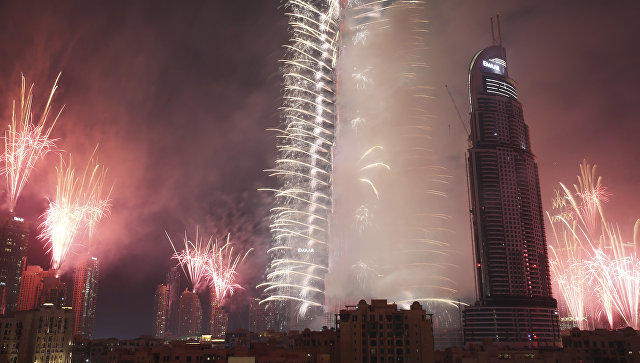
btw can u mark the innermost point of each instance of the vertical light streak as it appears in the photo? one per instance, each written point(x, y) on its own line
point(25, 142)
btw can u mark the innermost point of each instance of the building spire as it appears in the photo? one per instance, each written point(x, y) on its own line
point(493, 34)
point(499, 31)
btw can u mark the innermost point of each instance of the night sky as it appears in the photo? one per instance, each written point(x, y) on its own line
point(178, 96)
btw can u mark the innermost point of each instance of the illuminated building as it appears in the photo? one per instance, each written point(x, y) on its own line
point(174, 288)
point(85, 294)
point(379, 332)
point(259, 317)
point(514, 305)
point(219, 319)
point(14, 233)
point(189, 314)
point(303, 197)
point(30, 288)
point(41, 335)
point(160, 311)
point(54, 290)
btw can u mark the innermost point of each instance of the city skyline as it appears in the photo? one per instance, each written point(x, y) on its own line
point(570, 119)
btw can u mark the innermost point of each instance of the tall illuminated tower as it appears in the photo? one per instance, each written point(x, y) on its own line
point(160, 311)
point(14, 233)
point(30, 288)
point(515, 305)
point(85, 294)
point(189, 314)
point(173, 286)
point(303, 197)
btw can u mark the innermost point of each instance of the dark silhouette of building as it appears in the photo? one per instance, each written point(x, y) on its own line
point(160, 311)
point(13, 248)
point(515, 305)
point(54, 290)
point(85, 295)
point(189, 314)
point(380, 332)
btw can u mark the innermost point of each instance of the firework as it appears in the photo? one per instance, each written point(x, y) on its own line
point(194, 259)
point(299, 219)
point(222, 269)
point(362, 186)
point(595, 270)
point(80, 202)
point(26, 142)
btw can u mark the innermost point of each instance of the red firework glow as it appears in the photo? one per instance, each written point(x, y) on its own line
point(24, 142)
point(80, 202)
point(205, 263)
point(596, 271)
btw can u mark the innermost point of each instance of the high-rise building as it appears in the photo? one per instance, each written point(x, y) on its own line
point(41, 335)
point(174, 287)
point(54, 290)
point(219, 320)
point(85, 295)
point(260, 318)
point(189, 314)
point(160, 311)
point(30, 288)
point(380, 332)
point(13, 255)
point(300, 217)
point(514, 305)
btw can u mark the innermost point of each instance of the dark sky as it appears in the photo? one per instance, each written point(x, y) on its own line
point(178, 94)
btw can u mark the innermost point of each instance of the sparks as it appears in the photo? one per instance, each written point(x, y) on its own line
point(80, 202)
point(25, 143)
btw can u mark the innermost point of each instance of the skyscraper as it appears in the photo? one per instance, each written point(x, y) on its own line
point(13, 248)
point(173, 286)
point(160, 311)
point(300, 217)
point(189, 314)
point(85, 294)
point(219, 320)
point(259, 317)
point(30, 288)
point(515, 305)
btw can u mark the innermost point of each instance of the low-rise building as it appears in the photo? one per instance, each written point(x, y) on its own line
point(381, 332)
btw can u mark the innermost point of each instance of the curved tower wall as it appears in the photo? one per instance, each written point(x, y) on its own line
point(514, 304)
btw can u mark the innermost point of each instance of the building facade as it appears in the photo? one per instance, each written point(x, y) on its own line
point(514, 305)
point(174, 287)
point(14, 232)
point(85, 295)
point(380, 332)
point(259, 317)
point(41, 335)
point(219, 320)
point(30, 288)
point(160, 311)
point(189, 314)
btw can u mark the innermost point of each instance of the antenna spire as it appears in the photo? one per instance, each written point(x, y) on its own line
point(499, 31)
point(493, 34)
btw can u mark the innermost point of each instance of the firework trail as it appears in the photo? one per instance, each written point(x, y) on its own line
point(194, 259)
point(595, 270)
point(25, 142)
point(80, 202)
point(300, 216)
point(343, 180)
point(222, 270)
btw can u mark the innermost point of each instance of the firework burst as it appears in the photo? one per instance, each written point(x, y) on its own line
point(595, 270)
point(80, 202)
point(194, 259)
point(26, 142)
point(222, 269)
